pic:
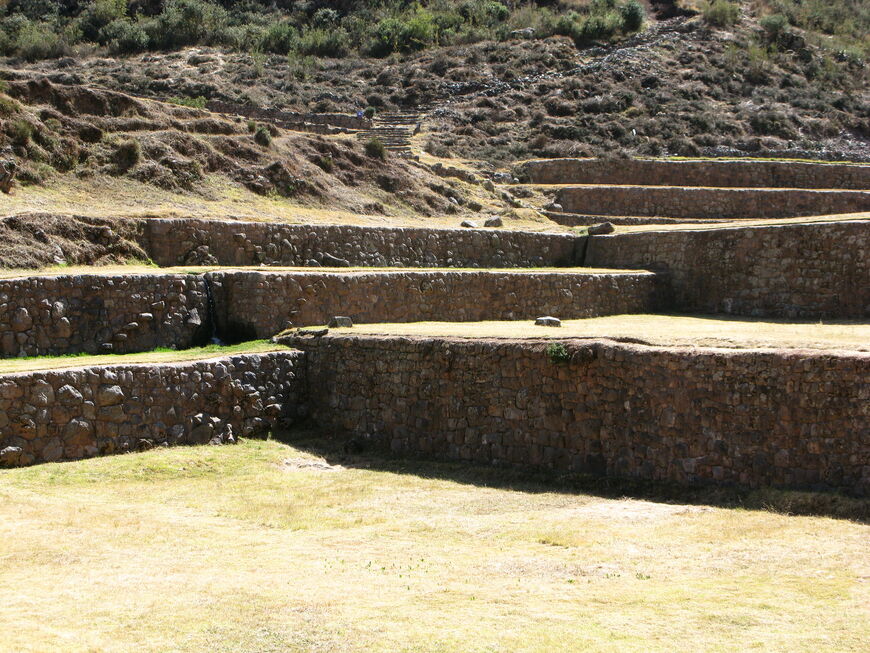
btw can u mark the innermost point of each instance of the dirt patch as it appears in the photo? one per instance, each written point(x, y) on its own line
point(304, 464)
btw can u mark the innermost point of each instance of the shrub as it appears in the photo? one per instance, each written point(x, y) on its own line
point(370, 112)
point(187, 22)
point(37, 41)
point(721, 13)
point(376, 149)
point(403, 34)
point(279, 38)
point(99, 14)
point(20, 132)
point(127, 154)
point(325, 163)
point(632, 16)
point(192, 102)
point(262, 136)
point(558, 353)
point(124, 37)
point(8, 105)
point(323, 43)
point(774, 26)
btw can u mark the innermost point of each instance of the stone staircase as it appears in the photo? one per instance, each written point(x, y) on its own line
point(394, 129)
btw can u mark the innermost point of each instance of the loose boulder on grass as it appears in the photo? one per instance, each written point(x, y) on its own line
point(548, 321)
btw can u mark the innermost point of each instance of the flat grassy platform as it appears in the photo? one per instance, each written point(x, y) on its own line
point(37, 363)
point(266, 547)
point(142, 269)
point(662, 330)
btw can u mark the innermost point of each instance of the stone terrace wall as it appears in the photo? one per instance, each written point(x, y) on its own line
point(709, 203)
point(99, 314)
point(89, 411)
point(733, 174)
point(260, 304)
point(183, 241)
point(800, 270)
point(791, 419)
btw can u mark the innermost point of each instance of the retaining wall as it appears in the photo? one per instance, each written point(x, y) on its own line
point(89, 411)
point(781, 418)
point(819, 270)
point(733, 174)
point(185, 241)
point(709, 203)
point(260, 304)
point(100, 314)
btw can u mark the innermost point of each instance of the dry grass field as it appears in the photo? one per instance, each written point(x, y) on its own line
point(662, 330)
point(268, 547)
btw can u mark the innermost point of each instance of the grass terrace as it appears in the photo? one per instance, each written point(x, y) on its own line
point(270, 547)
point(162, 355)
point(659, 330)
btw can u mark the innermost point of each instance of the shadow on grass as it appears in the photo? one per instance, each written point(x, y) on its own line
point(336, 450)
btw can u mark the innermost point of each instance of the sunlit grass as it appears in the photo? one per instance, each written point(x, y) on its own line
point(160, 355)
point(247, 548)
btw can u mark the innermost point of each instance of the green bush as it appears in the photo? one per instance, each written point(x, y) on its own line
point(279, 38)
point(403, 34)
point(198, 102)
point(558, 353)
point(774, 26)
point(323, 43)
point(8, 105)
point(376, 149)
point(99, 14)
point(262, 136)
point(20, 132)
point(632, 16)
point(370, 112)
point(37, 41)
point(721, 13)
point(187, 22)
point(124, 37)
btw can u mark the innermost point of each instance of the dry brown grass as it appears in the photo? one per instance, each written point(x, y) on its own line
point(254, 548)
point(665, 330)
point(38, 363)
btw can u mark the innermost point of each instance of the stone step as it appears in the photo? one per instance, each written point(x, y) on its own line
point(708, 203)
point(714, 173)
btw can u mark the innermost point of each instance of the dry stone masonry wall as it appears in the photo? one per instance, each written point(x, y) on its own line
point(100, 313)
point(83, 412)
point(728, 174)
point(183, 241)
point(260, 304)
point(782, 418)
point(709, 203)
point(799, 270)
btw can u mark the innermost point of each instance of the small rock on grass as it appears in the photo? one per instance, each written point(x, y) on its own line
point(493, 221)
point(548, 321)
point(469, 224)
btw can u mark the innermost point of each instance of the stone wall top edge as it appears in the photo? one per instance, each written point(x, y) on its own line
point(540, 344)
point(716, 161)
point(350, 227)
point(202, 363)
point(757, 227)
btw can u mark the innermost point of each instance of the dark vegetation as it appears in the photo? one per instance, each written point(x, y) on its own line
point(39, 29)
point(761, 77)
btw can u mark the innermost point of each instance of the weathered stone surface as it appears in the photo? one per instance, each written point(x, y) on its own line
point(262, 303)
point(548, 321)
point(78, 313)
point(493, 221)
point(709, 203)
point(242, 394)
point(790, 418)
point(819, 270)
point(469, 224)
point(164, 240)
point(600, 229)
point(728, 174)
point(340, 321)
